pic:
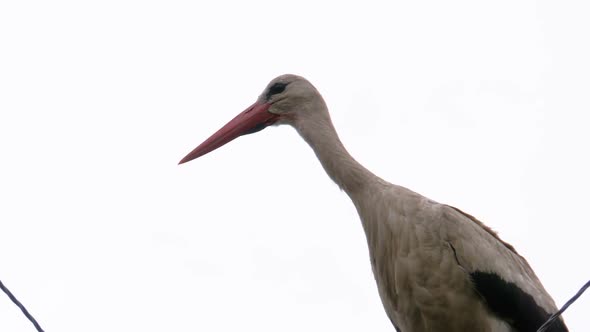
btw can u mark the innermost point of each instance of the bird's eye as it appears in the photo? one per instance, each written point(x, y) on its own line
point(275, 89)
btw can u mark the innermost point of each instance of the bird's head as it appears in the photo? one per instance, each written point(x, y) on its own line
point(285, 100)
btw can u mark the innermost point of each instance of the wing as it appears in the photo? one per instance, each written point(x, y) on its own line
point(503, 278)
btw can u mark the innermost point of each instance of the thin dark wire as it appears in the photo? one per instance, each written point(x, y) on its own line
point(21, 306)
point(553, 317)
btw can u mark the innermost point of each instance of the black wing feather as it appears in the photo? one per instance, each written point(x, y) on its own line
point(512, 304)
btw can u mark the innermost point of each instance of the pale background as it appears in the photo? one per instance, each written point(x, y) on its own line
point(482, 105)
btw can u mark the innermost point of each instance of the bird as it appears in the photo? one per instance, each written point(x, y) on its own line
point(437, 268)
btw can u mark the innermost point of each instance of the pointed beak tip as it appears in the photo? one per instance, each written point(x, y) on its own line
point(185, 160)
point(253, 119)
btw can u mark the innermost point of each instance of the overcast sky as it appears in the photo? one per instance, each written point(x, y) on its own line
point(481, 105)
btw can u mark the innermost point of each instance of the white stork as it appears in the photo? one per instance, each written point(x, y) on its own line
point(437, 268)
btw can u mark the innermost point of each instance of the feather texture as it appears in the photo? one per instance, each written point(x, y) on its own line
point(437, 268)
point(430, 260)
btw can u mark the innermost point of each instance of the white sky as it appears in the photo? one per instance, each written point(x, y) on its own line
point(482, 105)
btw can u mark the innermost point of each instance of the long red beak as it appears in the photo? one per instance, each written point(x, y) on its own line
point(253, 119)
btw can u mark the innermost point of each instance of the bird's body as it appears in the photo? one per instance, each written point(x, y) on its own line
point(424, 257)
point(437, 268)
point(416, 265)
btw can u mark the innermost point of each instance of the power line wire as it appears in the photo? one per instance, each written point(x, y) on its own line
point(553, 317)
point(543, 327)
point(21, 306)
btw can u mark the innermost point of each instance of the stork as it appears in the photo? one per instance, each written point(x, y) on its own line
point(437, 268)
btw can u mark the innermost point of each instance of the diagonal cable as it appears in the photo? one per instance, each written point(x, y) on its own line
point(553, 317)
point(21, 306)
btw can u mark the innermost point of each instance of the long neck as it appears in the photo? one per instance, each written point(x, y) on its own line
point(345, 171)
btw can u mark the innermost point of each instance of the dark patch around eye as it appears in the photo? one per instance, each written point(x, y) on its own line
point(275, 89)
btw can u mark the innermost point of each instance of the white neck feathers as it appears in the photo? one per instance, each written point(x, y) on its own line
point(318, 131)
